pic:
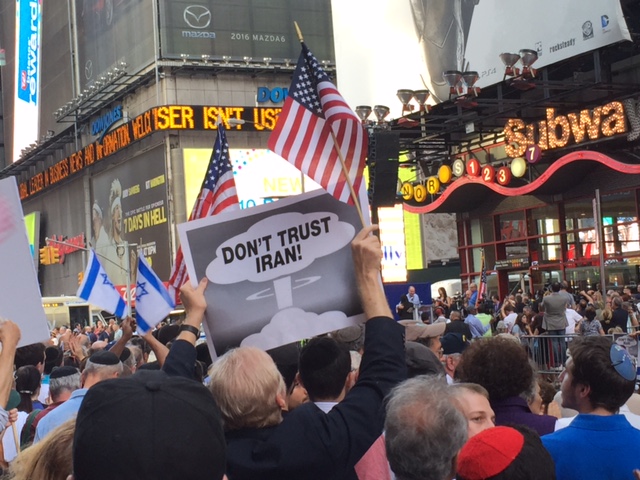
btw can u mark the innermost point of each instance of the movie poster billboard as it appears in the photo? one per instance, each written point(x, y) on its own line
point(420, 39)
point(111, 32)
point(278, 273)
point(129, 204)
point(245, 28)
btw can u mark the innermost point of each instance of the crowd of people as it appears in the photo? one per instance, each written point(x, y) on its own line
point(455, 397)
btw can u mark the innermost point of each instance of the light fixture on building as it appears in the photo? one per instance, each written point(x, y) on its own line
point(287, 62)
point(97, 89)
point(363, 112)
point(266, 60)
point(526, 57)
point(421, 96)
point(510, 60)
point(405, 96)
point(225, 59)
point(247, 60)
point(453, 79)
point(205, 57)
point(462, 85)
point(469, 80)
point(380, 111)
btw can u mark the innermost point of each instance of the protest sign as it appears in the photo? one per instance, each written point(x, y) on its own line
point(20, 299)
point(278, 273)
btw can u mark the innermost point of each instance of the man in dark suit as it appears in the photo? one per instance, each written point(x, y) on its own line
point(307, 443)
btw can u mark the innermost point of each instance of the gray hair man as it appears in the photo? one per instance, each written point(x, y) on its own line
point(102, 365)
point(63, 381)
point(424, 430)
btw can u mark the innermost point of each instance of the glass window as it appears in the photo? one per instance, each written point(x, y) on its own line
point(482, 230)
point(549, 249)
point(516, 249)
point(583, 278)
point(618, 207)
point(579, 214)
point(545, 220)
point(512, 226)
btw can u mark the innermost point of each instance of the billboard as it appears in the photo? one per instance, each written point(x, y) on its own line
point(129, 203)
point(32, 223)
point(26, 103)
point(111, 32)
point(245, 28)
point(261, 176)
point(439, 35)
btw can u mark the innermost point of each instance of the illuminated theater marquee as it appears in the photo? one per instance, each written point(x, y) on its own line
point(168, 117)
point(557, 131)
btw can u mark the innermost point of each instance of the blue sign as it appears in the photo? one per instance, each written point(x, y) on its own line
point(102, 123)
point(275, 95)
point(29, 18)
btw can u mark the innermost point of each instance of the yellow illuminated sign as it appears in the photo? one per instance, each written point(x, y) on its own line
point(162, 118)
point(556, 131)
point(260, 175)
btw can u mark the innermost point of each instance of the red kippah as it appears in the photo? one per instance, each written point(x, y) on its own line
point(489, 453)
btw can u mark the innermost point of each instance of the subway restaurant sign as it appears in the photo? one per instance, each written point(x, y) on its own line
point(168, 117)
point(557, 131)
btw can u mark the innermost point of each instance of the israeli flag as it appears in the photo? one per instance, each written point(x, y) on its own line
point(97, 289)
point(153, 302)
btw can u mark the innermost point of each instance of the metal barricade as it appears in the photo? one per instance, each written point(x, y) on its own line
point(550, 352)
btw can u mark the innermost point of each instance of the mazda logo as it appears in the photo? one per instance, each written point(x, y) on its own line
point(197, 16)
point(88, 69)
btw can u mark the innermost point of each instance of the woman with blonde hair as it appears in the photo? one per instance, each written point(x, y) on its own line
point(49, 459)
point(607, 315)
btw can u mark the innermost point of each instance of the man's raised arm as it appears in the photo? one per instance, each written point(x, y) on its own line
point(367, 257)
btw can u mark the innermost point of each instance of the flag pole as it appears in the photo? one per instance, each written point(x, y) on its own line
point(354, 196)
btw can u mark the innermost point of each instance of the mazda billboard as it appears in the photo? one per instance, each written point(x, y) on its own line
point(245, 28)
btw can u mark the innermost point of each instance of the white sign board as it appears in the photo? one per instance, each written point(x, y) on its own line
point(278, 273)
point(20, 299)
point(409, 43)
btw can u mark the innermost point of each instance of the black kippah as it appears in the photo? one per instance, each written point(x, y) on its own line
point(103, 357)
point(60, 372)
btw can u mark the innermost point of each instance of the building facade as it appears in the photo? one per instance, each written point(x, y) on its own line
point(112, 144)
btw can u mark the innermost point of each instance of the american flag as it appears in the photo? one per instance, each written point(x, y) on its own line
point(218, 194)
point(313, 114)
point(482, 289)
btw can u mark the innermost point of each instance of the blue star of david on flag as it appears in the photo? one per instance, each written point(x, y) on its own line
point(97, 289)
point(158, 304)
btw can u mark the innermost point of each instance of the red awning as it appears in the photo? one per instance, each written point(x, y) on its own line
point(564, 173)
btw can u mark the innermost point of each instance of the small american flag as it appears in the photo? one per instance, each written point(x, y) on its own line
point(313, 114)
point(218, 194)
point(482, 289)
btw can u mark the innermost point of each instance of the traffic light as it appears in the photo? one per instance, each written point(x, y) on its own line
point(80, 278)
point(45, 259)
point(54, 255)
